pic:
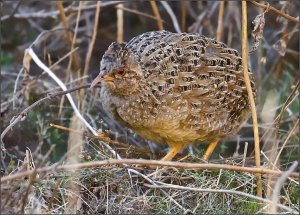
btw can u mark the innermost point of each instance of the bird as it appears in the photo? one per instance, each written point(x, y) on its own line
point(175, 89)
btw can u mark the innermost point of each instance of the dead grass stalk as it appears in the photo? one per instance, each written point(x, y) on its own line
point(157, 15)
point(250, 94)
point(151, 163)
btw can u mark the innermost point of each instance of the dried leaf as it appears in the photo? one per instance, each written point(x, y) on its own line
point(280, 46)
point(257, 33)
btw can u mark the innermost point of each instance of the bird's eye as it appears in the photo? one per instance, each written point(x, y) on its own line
point(121, 72)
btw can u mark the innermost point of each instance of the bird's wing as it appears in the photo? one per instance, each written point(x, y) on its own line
point(194, 71)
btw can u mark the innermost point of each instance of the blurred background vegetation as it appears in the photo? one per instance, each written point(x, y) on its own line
point(274, 63)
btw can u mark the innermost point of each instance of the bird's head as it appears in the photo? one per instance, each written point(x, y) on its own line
point(119, 70)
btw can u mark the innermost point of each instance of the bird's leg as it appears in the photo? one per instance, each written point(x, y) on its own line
point(210, 149)
point(174, 150)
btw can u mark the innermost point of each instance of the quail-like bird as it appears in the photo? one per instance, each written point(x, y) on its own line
point(175, 88)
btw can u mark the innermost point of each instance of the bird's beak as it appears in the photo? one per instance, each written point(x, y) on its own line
point(100, 78)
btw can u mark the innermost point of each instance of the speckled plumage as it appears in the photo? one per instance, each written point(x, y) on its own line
point(175, 88)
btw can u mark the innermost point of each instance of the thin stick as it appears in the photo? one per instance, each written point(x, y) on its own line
point(75, 34)
point(25, 196)
point(16, 86)
point(220, 21)
point(30, 52)
point(26, 61)
point(71, 59)
point(80, 133)
point(172, 15)
point(250, 94)
point(92, 42)
point(15, 9)
point(64, 21)
point(140, 13)
point(156, 163)
point(277, 122)
point(286, 104)
point(24, 113)
point(68, 34)
point(284, 107)
point(103, 137)
point(275, 167)
point(120, 23)
point(61, 84)
point(278, 185)
point(288, 17)
point(157, 15)
point(54, 14)
point(245, 153)
point(285, 142)
point(183, 15)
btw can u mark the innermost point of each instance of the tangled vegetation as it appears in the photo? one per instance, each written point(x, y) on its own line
point(53, 162)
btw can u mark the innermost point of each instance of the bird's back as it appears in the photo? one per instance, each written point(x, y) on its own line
point(195, 75)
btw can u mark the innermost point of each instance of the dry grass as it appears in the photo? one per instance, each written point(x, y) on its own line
point(29, 143)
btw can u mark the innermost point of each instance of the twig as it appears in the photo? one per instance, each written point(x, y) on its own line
point(277, 122)
point(288, 17)
point(25, 196)
point(250, 94)
point(69, 42)
point(92, 42)
point(120, 23)
point(92, 7)
point(172, 15)
point(30, 52)
point(71, 59)
point(157, 15)
point(220, 21)
point(194, 166)
point(286, 104)
point(185, 211)
point(51, 67)
point(16, 86)
point(91, 47)
point(80, 133)
point(60, 83)
point(142, 14)
point(191, 11)
point(75, 35)
point(62, 58)
point(285, 142)
point(154, 184)
point(284, 107)
point(15, 9)
point(245, 153)
point(172, 186)
point(275, 167)
point(24, 113)
point(278, 185)
point(54, 192)
point(102, 137)
point(183, 15)
point(54, 14)
point(68, 35)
